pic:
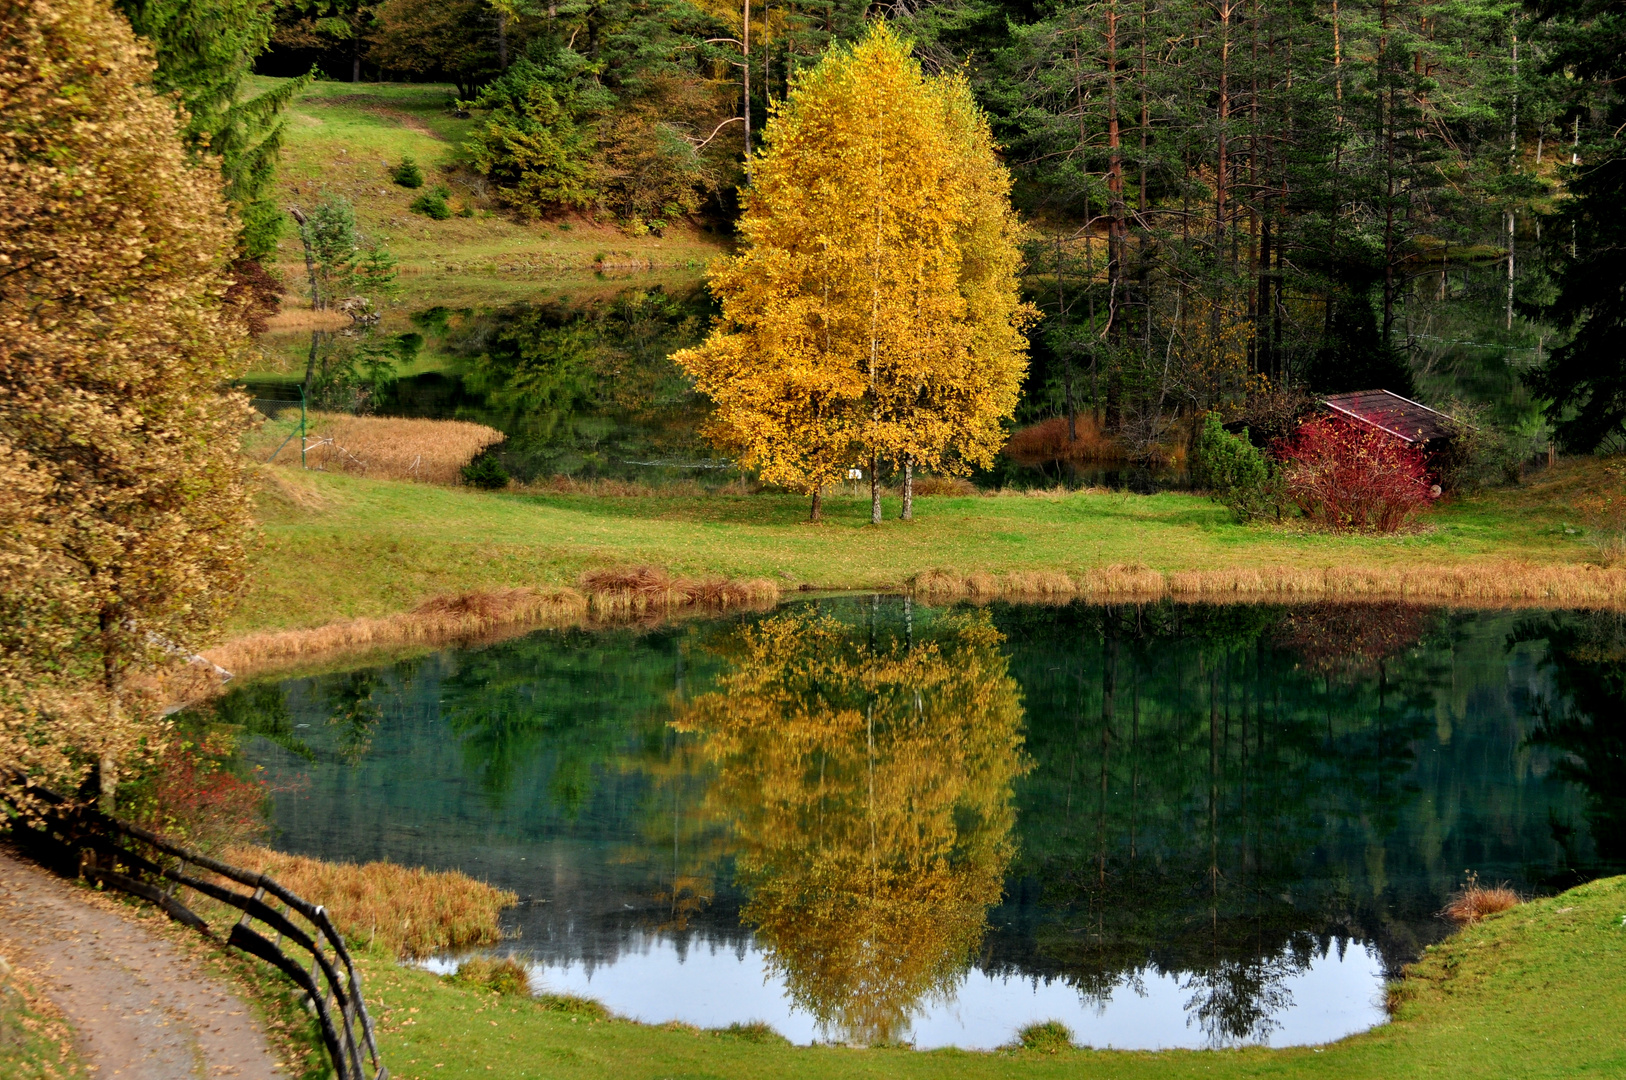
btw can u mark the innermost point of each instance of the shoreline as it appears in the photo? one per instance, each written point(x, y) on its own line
point(619, 598)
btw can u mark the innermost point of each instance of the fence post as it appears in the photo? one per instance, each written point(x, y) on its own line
point(301, 425)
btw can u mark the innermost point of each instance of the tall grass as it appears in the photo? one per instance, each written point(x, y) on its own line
point(442, 618)
point(640, 589)
point(1504, 582)
point(412, 912)
point(604, 594)
point(382, 447)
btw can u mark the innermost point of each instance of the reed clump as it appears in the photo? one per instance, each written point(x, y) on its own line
point(1474, 901)
point(384, 447)
point(642, 589)
point(412, 912)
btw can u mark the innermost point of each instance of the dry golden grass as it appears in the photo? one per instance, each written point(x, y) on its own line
point(1475, 901)
point(412, 912)
point(389, 448)
point(605, 594)
point(1048, 441)
point(443, 618)
point(1500, 583)
point(303, 318)
point(643, 589)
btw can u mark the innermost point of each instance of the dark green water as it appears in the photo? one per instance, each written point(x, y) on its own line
point(864, 820)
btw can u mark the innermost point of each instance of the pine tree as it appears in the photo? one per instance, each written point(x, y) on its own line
point(874, 314)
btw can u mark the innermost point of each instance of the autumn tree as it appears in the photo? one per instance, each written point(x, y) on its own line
point(867, 783)
point(123, 527)
point(874, 313)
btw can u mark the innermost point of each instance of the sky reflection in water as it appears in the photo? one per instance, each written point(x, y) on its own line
point(870, 821)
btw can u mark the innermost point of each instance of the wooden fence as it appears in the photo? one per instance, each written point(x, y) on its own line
point(80, 841)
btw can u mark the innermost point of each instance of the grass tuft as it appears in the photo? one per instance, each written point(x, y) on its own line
point(754, 1031)
point(573, 1006)
point(502, 976)
point(1048, 1037)
point(1474, 901)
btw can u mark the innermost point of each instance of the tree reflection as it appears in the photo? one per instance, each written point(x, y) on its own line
point(1583, 717)
point(868, 779)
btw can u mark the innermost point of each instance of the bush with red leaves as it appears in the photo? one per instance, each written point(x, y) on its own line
point(194, 797)
point(1345, 475)
point(254, 292)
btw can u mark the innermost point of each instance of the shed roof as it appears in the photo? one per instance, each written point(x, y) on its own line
point(1401, 417)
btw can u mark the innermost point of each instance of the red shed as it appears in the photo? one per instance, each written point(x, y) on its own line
point(1405, 419)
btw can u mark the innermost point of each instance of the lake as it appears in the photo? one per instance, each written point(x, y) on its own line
point(867, 820)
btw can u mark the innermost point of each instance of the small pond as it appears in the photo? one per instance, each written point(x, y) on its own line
point(866, 820)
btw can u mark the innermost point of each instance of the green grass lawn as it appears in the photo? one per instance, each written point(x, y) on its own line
point(1536, 992)
point(377, 547)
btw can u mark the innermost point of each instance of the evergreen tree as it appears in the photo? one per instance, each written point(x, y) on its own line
point(205, 51)
point(1585, 379)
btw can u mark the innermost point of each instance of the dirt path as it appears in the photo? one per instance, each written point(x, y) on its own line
point(142, 1008)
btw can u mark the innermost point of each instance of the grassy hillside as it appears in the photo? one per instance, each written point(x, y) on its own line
point(343, 138)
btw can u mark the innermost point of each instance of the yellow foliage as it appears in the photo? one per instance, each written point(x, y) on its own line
point(868, 791)
point(124, 518)
point(874, 311)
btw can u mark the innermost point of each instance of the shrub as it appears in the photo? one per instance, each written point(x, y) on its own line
point(1233, 471)
point(1050, 1037)
point(486, 472)
point(1477, 453)
point(407, 174)
point(194, 797)
point(432, 203)
point(535, 143)
point(1345, 475)
point(504, 976)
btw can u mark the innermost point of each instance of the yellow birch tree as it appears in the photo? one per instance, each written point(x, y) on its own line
point(873, 313)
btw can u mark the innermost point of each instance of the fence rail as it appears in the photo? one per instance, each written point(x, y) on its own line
point(82, 841)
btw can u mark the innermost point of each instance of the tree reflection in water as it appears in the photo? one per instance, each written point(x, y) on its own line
point(868, 778)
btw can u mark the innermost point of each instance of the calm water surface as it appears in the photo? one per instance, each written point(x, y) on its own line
point(863, 820)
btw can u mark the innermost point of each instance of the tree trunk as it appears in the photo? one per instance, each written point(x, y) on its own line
point(745, 107)
point(107, 781)
point(818, 505)
point(310, 257)
point(908, 488)
point(874, 489)
point(502, 41)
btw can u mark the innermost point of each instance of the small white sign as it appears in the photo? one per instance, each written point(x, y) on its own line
point(855, 474)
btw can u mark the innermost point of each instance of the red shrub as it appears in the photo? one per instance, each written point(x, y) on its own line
point(1346, 475)
point(195, 798)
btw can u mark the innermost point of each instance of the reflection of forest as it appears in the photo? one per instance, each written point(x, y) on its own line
point(1218, 793)
point(1227, 792)
point(866, 779)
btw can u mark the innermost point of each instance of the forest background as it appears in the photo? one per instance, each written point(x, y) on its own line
point(1232, 197)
